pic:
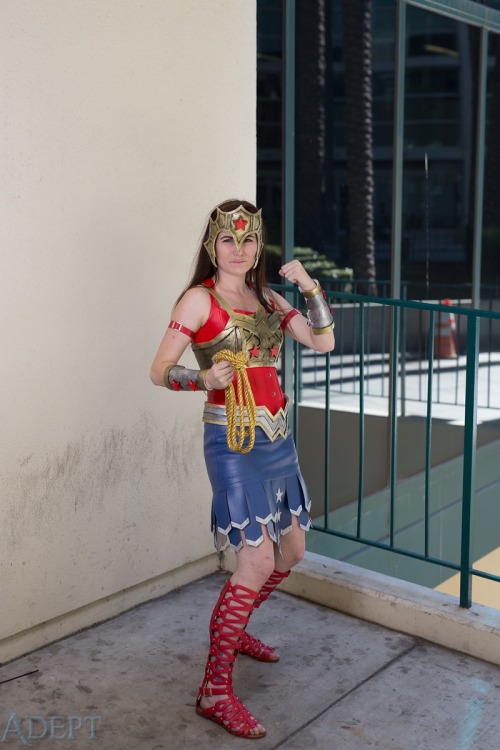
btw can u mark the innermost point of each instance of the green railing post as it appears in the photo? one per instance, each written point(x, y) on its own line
point(288, 132)
point(393, 419)
point(477, 243)
point(361, 471)
point(403, 356)
point(470, 438)
point(398, 141)
point(327, 438)
point(297, 384)
point(428, 431)
point(288, 173)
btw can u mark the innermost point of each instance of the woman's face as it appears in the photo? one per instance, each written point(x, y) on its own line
point(230, 258)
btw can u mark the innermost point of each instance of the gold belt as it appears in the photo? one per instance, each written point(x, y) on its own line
point(273, 425)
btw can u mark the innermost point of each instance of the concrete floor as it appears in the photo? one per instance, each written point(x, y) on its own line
point(341, 684)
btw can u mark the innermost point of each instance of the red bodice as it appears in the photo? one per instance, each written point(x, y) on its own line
point(264, 381)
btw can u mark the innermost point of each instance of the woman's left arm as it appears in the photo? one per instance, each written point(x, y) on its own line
point(316, 331)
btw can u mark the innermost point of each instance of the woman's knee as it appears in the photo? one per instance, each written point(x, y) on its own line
point(293, 547)
point(254, 564)
point(295, 555)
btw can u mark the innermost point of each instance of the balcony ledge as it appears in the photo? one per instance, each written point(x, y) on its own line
point(399, 605)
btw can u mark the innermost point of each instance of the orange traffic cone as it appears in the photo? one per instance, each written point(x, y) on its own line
point(445, 334)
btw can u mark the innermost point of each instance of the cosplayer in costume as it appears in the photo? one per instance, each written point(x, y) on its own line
point(249, 450)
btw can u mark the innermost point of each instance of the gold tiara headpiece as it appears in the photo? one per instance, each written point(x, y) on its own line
point(240, 223)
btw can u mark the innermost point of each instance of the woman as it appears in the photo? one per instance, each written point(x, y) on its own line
point(236, 325)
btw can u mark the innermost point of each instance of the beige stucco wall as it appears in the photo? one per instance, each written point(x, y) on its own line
point(122, 123)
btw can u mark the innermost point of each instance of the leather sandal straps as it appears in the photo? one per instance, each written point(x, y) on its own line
point(227, 625)
point(267, 589)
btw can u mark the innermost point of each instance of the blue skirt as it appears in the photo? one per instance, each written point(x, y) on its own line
point(261, 488)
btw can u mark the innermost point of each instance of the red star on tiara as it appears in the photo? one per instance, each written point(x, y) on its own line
point(240, 223)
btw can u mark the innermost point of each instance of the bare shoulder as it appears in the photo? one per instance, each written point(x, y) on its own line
point(195, 295)
point(193, 308)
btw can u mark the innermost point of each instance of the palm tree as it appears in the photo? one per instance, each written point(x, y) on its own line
point(357, 52)
point(310, 120)
point(491, 220)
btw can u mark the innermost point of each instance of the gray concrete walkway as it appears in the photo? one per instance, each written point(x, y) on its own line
point(341, 684)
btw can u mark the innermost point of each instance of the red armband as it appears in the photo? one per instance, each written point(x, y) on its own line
point(182, 329)
point(288, 318)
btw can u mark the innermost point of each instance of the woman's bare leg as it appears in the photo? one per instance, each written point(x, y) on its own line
point(253, 567)
point(292, 551)
point(293, 545)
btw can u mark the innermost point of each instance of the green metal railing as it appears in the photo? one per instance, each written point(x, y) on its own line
point(393, 313)
point(381, 343)
point(416, 338)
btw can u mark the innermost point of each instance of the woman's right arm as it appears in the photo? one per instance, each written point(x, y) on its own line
point(191, 312)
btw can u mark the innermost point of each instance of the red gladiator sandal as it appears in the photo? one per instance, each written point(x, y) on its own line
point(256, 649)
point(251, 646)
point(227, 624)
point(267, 589)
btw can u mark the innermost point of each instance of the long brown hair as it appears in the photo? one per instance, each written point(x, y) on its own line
point(204, 268)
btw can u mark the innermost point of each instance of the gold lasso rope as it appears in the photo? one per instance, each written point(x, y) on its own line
point(246, 401)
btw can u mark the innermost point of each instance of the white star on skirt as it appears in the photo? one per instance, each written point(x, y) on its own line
point(279, 495)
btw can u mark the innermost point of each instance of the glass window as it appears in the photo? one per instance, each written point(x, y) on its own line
point(439, 142)
point(440, 109)
point(490, 3)
point(491, 214)
point(269, 122)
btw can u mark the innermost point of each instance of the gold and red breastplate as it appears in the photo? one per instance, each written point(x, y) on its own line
point(258, 334)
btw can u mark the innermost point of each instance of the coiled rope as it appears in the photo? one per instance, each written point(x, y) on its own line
point(236, 437)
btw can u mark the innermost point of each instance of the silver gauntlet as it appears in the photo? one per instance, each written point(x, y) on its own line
point(178, 378)
point(319, 315)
